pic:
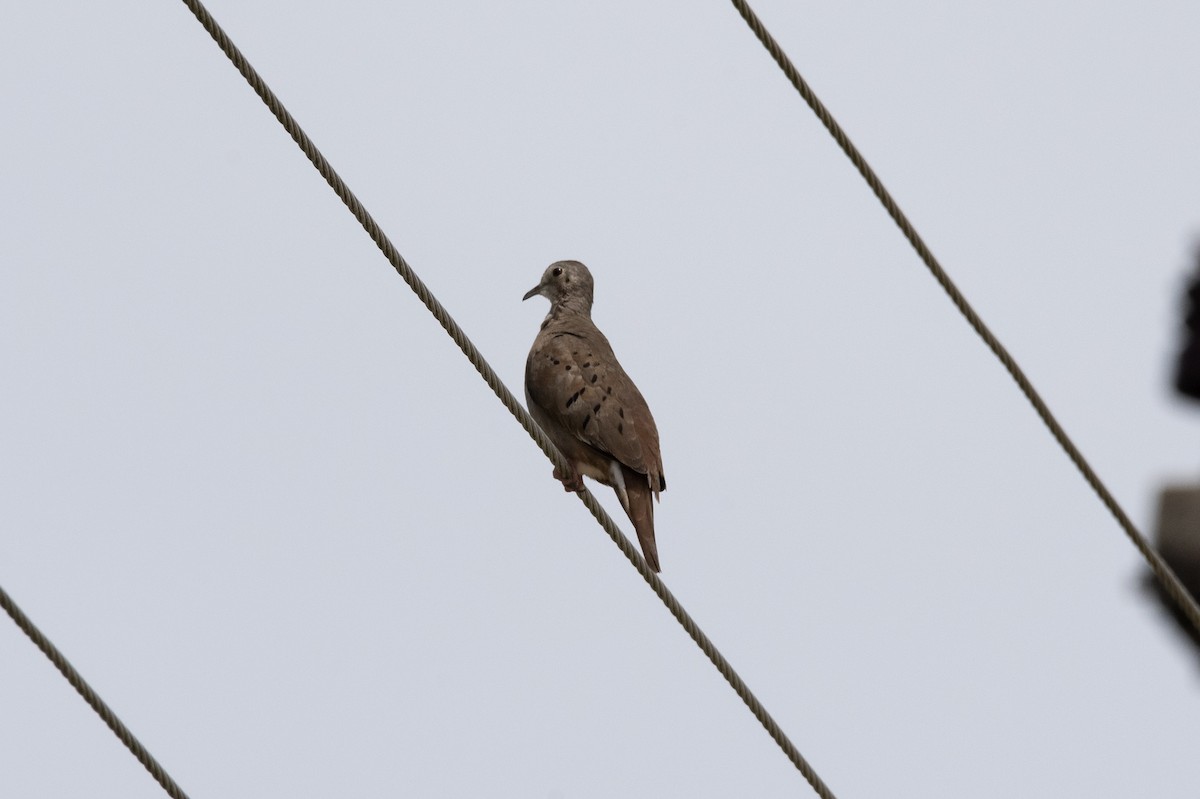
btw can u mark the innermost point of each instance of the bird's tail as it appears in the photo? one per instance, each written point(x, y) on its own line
point(641, 512)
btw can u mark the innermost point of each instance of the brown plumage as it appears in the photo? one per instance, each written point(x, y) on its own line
point(579, 394)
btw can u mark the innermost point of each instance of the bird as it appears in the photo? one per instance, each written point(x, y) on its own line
point(580, 396)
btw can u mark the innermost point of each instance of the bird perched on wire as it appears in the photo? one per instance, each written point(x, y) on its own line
point(579, 394)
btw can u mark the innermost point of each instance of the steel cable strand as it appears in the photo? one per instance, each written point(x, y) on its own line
point(708, 647)
point(102, 709)
point(373, 230)
point(492, 379)
point(1162, 571)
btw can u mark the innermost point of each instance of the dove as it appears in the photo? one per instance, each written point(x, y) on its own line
point(580, 396)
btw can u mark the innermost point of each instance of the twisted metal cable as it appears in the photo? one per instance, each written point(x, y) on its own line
point(1162, 571)
point(91, 697)
point(492, 379)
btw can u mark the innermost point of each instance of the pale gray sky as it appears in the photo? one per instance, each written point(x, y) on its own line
point(256, 495)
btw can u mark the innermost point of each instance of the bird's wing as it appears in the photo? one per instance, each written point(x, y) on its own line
point(577, 381)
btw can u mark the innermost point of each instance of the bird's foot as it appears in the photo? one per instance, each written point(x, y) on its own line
point(572, 482)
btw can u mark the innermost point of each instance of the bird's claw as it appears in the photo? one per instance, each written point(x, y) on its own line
point(572, 482)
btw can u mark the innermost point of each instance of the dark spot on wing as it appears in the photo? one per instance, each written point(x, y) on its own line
point(596, 408)
point(622, 412)
point(568, 367)
point(608, 390)
point(586, 419)
point(621, 428)
point(574, 397)
point(594, 378)
point(586, 365)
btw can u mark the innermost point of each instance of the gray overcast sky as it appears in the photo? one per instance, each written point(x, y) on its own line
point(256, 495)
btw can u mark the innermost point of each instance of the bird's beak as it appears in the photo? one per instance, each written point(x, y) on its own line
point(533, 292)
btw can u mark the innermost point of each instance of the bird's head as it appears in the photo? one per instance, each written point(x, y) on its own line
point(566, 284)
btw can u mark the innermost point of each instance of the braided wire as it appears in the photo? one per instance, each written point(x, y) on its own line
point(1162, 571)
point(91, 697)
point(510, 402)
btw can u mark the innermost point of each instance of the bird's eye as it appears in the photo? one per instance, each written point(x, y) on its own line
point(557, 271)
